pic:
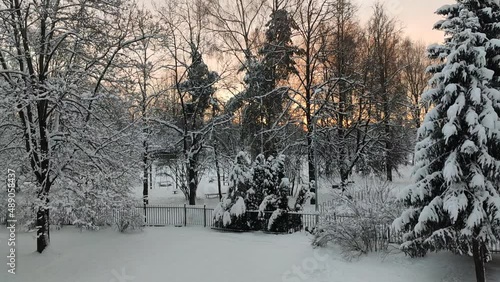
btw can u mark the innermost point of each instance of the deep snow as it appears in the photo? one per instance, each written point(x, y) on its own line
point(192, 254)
point(164, 195)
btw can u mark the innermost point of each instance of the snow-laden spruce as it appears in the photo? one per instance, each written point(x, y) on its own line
point(261, 188)
point(455, 203)
point(231, 211)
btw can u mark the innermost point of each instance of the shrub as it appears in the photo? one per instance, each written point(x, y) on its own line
point(363, 226)
point(231, 215)
point(129, 219)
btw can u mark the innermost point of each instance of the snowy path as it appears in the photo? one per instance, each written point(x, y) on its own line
point(203, 255)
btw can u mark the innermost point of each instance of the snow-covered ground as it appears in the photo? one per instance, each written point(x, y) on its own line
point(164, 195)
point(191, 254)
point(163, 192)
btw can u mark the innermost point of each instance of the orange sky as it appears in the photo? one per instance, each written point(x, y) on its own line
point(416, 16)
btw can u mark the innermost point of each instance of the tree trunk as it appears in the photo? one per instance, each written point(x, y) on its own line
point(342, 160)
point(42, 233)
point(388, 151)
point(344, 173)
point(151, 176)
point(42, 220)
point(344, 176)
point(218, 171)
point(145, 184)
point(145, 177)
point(192, 174)
point(311, 165)
point(477, 250)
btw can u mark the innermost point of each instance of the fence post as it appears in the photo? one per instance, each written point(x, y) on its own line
point(185, 215)
point(204, 215)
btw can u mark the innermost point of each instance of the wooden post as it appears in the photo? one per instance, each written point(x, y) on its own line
point(204, 215)
point(185, 215)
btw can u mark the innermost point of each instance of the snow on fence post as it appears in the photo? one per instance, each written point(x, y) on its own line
point(204, 215)
point(185, 215)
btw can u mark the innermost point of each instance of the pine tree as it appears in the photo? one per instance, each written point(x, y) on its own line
point(455, 202)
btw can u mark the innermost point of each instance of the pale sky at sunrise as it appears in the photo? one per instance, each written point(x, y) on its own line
point(416, 16)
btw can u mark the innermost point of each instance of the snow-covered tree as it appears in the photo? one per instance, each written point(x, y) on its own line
point(200, 86)
point(276, 194)
point(141, 87)
point(261, 182)
point(194, 85)
point(231, 211)
point(59, 66)
point(264, 96)
point(455, 202)
point(259, 186)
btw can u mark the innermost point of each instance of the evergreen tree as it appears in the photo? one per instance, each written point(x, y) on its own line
point(231, 211)
point(455, 202)
point(261, 182)
point(261, 186)
point(252, 122)
point(488, 16)
point(276, 191)
point(200, 87)
point(278, 49)
point(265, 105)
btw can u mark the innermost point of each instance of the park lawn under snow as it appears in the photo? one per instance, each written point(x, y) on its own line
point(192, 254)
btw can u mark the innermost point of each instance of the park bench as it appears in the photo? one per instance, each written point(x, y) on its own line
point(213, 195)
point(338, 186)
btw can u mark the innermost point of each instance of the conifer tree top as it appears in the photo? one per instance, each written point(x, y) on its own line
point(455, 198)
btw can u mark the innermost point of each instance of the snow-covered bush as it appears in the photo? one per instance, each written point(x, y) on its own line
point(262, 189)
point(259, 186)
point(278, 221)
point(26, 203)
point(230, 213)
point(91, 209)
point(128, 218)
point(261, 181)
point(276, 199)
point(87, 204)
point(304, 195)
point(361, 226)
